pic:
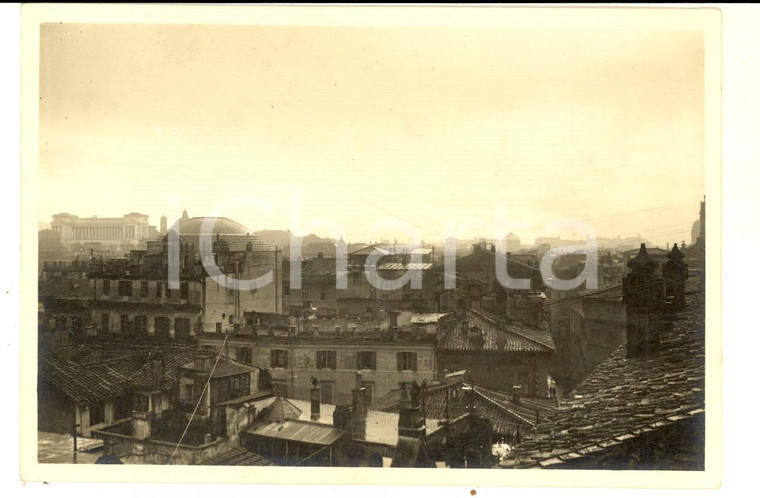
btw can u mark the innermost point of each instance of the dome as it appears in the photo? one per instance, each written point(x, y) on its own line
point(222, 226)
point(237, 236)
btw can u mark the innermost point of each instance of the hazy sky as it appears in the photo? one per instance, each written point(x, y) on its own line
point(424, 125)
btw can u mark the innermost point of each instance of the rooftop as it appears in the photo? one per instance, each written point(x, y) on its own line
point(493, 336)
point(298, 430)
point(508, 419)
point(95, 374)
point(626, 398)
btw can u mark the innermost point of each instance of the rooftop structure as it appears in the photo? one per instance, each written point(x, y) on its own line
point(639, 409)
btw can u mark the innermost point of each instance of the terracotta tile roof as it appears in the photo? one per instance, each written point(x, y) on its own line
point(507, 418)
point(94, 375)
point(495, 337)
point(80, 384)
point(626, 397)
point(143, 377)
point(238, 456)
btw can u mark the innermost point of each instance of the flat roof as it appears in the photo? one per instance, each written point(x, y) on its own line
point(299, 431)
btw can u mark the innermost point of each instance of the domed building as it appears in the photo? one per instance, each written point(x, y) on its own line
point(235, 235)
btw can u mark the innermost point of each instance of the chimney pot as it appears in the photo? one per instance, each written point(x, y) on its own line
point(644, 301)
point(315, 399)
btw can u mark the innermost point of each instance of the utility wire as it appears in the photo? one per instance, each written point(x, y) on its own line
point(200, 398)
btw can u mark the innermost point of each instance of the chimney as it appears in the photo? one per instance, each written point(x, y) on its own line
point(675, 273)
point(358, 409)
point(203, 361)
point(342, 417)
point(643, 297)
point(140, 425)
point(410, 420)
point(163, 224)
point(315, 399)
point(158, 370)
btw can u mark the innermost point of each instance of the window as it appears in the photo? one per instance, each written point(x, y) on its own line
point(163, 324)
point(105, 323)
point(125, 328)
point(97, 413)
point(106, 287)
point(218, 327)
point(144, 288)
point(279, 358)
point(366, 360)
point(184, 290)
point(286, 289)
point(182, 328)
point(141, 402)
point(327, 359)
point(244, 354)
point(327, 393)
point(125, 288)
point(158, 289)
point(187, 394)
point(141, 325)
point(406, 360)
point(304, 294)
point(322, 293)
point(232, 319)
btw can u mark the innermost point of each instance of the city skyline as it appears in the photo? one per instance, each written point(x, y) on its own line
point(373, 124)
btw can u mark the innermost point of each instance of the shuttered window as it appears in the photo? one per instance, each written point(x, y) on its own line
point(279, 358)
point(366, 360)
point(327, 359)
point(406, 360)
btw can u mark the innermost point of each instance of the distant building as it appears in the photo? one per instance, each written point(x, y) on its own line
point(498, 355)
point(64, 297)
point(513, 242)
point(130, 229)
point(131, 295)
point(385, 358)
point(477, 286)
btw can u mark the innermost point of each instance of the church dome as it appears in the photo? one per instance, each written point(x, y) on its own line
point(191, 227)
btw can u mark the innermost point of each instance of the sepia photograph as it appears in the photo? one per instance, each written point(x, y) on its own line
point(367, 239)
